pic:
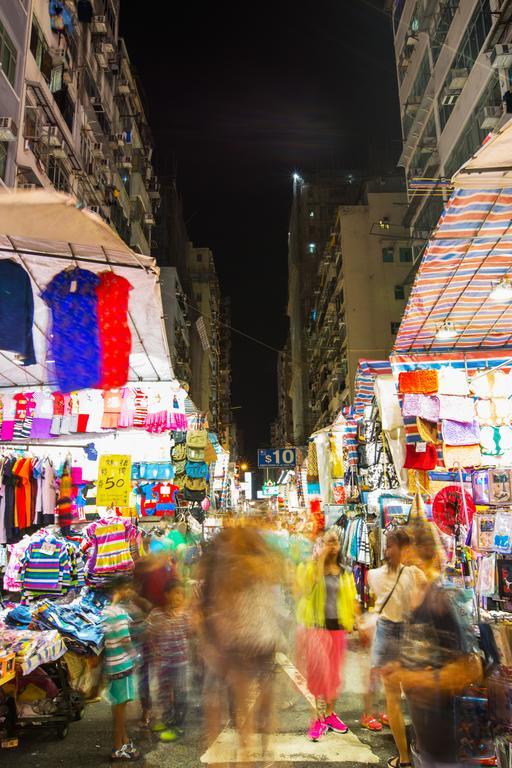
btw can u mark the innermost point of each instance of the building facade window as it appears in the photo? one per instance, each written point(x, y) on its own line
point(395, 327)
point(468, 52)
point(472, 134)
point(388, 255)
point(406, 255)
point(417, 91)
point(4, 146)
point(399, 292)
point(442, 24)
point(8, 56)
point(199, 257)
point(40, 51)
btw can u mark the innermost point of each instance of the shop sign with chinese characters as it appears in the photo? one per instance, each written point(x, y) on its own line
point(114, 481)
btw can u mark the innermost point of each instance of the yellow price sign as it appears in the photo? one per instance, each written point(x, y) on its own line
point(114, 480)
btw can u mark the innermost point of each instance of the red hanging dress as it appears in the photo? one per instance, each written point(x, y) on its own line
point(115, 337)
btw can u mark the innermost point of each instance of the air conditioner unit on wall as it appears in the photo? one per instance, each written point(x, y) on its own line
point(51, 135)
point(450, 99)
point(501, 56)
point(457, 80)
point(99, 25)
point(8, 129)
point(489, 117)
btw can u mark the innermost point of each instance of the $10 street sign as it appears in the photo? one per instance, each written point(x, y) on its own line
point(285, 458)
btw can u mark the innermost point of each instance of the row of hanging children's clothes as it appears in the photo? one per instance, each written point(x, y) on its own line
point(46, 414)
point(28, 495)
point(46, 563)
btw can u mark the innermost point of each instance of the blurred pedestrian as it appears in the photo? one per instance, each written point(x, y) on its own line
point(152, 575)
point(238, 622)
point(326, 612)
point(394, 585)
point(439, 659)
point(119, 666)
point(168, 631)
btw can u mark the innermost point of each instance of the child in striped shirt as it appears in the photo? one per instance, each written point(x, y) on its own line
point(119, 669)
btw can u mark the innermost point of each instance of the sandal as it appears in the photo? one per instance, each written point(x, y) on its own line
point(394, 762)
point(371, 723)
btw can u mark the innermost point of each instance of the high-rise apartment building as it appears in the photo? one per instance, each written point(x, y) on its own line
point(225, 413)
point(75, 119)
point(359, 296)
point(14, 27)
point(454, 63)
point(315, 200)
point(205, 334)
point(281, 431)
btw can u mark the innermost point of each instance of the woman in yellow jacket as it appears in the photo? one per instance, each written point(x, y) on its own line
point(326, 611)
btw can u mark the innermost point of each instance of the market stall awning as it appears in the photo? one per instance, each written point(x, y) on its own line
point(491, 165)
point(364, 393)
point(46, 232)
point(468, 253)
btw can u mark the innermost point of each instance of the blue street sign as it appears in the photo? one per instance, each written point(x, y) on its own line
point(285, 458)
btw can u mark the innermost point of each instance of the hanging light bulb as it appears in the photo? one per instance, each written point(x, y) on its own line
point(501, 292)
point(446, 331)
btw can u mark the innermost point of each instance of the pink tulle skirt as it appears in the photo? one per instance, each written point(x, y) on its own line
point(320, 658)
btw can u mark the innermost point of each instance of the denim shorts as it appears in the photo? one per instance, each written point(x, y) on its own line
point(387, 642)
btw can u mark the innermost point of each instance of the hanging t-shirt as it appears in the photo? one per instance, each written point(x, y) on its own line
point(112, 408)
point(127, 415)
point(110, 539)
point(16, 311)
point(141, 409)
point(115, 337)
point(75, 338)
point(25, 405)
point(92, 405)
point(43, 414)
point(165, 496)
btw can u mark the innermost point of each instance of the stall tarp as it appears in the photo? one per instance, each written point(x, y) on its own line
point(491, 165)
point(364, 393)
point(28, 225)
point(468, 253)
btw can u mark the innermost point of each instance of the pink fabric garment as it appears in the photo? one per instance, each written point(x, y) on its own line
point(460, 432)
point(7, 432)
point(76, 475)
point(321, 656)
point(156, 423)
point(127, 415)
point(178, 421)
point(425, 406)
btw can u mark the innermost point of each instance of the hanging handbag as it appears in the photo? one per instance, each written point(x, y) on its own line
point(179, 452)
point(195, 454)
point(196, 469)
point(196, 496)
point(197, 438)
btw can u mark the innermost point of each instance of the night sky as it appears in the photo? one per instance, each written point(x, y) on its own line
point(238, 97)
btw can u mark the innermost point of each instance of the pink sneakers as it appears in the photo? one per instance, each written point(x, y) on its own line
point(334, 723)
point(317, 729)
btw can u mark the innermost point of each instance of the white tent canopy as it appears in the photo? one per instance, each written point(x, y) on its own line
point(491, 165)
point(46, 232)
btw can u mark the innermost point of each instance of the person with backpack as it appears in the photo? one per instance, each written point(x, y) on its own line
point(439, 659)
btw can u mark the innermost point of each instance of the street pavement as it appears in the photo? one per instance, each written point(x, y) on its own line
point(89, 740)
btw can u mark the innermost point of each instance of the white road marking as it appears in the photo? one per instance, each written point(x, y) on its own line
point(292, 747)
